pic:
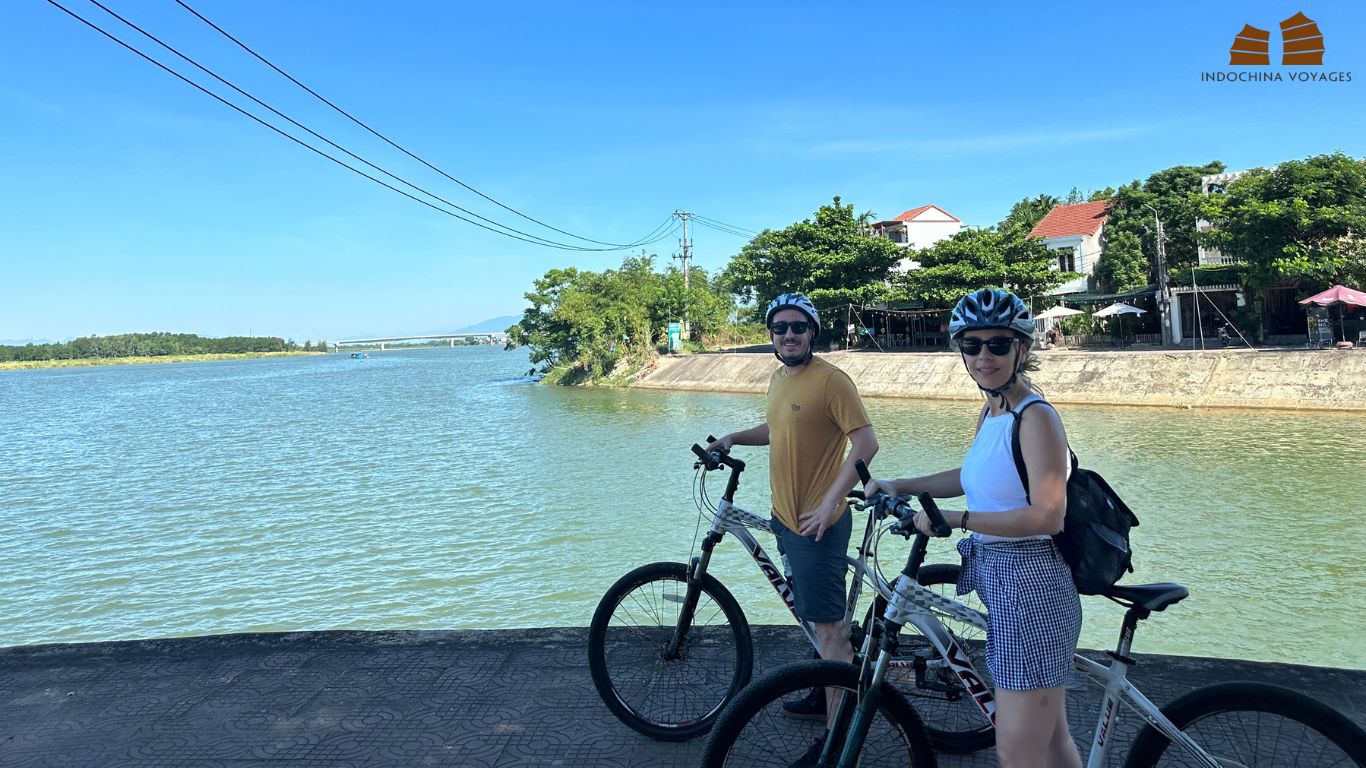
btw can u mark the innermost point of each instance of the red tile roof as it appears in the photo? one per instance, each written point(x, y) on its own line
point(911, 214)
point(1065, 220)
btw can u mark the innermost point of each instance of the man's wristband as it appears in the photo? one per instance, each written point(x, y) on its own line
point(964, 522)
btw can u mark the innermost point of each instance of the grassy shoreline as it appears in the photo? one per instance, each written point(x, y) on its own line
point(25, 365)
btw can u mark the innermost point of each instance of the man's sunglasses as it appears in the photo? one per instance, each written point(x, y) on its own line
point(780, 327)
point(997, 345)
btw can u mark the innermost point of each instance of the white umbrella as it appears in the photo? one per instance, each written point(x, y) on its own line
point(1116, 309)
point(1119, 308)
point(1058, 311)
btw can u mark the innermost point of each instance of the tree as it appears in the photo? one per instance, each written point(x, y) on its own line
point(1129, 259)
point(1027, 213)
point(1304, 220)
point(827, 258)
point(584, 326)
point(982, 258)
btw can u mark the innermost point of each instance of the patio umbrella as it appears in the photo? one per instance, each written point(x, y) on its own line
point(1119, 308)
point(1056, 312)
point(1338, 294)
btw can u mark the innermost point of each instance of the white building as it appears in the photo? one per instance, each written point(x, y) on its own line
point(1075, 233)
point(917, 228)
point(1214, 183)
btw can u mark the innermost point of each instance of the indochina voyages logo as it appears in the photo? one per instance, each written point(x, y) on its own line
point(1301, 56)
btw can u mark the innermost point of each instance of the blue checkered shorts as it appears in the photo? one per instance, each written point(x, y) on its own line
point(1033, 610)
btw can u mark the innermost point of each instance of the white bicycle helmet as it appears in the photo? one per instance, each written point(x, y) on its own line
point(990, 308)
point(794, 301)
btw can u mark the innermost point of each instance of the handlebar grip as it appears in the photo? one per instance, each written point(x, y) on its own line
point(701, 453)
point(856, 494)
point(937, 523)
point(711, 439)
point(862, 470)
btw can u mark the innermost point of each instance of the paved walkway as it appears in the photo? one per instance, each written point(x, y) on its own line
point(341, 699)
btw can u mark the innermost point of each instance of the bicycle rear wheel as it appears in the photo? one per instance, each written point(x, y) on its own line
point(668, 695)
point(753, 731)
point(1255, 725)
point(953, 720)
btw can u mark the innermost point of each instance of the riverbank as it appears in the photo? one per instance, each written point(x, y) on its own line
point(401, 698)
point(25, 365)
point(1301, 379)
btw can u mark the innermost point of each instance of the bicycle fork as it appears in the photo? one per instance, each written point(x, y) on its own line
point(697, 568)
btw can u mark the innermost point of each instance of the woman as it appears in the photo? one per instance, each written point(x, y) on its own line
point(1034, 613)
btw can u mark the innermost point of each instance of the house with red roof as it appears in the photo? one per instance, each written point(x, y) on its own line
point(917, 228)
point(1074, 232)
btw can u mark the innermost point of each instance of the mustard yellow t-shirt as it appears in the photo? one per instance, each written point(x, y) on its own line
point(810, 416)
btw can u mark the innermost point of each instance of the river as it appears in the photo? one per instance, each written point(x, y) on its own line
point(441, 489)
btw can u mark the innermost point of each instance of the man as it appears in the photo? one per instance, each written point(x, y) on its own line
point(813, 408)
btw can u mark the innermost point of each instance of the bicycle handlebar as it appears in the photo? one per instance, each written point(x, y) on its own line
point(716, 458)
point(898, 508)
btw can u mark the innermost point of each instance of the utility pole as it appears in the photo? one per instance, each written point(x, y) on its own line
point(1164, 302)
point(1163, 299)
point(686, 245)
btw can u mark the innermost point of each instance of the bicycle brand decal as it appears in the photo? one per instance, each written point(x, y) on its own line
point(971, 680)
point(775, 577)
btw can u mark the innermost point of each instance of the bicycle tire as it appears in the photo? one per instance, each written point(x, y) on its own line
point(1253, 724)
point(753, 731)
point(668, 699)
point(953, 720)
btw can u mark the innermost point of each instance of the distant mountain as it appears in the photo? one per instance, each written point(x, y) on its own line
point(492, 325)
point(22, 342)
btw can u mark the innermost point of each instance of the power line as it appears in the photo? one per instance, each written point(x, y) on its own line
point(721, 226)
point(320, 137)
point(390, 142)
point(519, 235)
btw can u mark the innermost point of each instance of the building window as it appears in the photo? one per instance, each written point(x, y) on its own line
point(1067, 260)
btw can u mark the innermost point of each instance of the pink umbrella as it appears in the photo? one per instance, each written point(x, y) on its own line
point(1337, 295)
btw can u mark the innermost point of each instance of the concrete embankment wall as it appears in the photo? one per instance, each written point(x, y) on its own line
point(1293, 379)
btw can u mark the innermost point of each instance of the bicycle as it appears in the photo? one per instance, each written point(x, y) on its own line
point(669, 645)
point(1216, 726)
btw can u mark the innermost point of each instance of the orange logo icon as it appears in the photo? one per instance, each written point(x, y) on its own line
point(1301, 44)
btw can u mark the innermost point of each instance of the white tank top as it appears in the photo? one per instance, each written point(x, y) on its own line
point(990, 480)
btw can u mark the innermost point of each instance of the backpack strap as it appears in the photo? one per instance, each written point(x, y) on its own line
point(1019, 454)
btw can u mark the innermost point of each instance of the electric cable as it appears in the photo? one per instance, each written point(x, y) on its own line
point(525, 235)
point(395, 145)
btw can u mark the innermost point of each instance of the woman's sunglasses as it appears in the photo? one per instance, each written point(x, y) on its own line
point(997, 345)
point(780, 327)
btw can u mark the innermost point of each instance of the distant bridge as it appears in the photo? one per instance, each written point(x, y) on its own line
point(494, 338)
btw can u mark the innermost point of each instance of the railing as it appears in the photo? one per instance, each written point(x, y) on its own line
point(1106, 340)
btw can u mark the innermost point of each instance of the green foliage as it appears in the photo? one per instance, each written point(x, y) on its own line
point(828, 259)
point(1129, 260)
point(1027, 213)
point(145, 345)
point(584, 326)
point(1304, 220)
point(977, 258)
point(1215, 274)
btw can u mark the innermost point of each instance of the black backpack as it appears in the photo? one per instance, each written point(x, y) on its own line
point(1095, 536)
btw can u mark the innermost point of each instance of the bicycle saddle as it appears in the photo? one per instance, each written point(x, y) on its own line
point(1153, 597)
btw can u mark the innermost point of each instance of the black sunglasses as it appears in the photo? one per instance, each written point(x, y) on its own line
point(780, 327)
point(997, 345)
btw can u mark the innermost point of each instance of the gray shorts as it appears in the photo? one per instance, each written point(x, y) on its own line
point(818, 569)
point(1033, 610)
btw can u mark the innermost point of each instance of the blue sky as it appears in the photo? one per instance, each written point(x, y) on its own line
point(132, 202)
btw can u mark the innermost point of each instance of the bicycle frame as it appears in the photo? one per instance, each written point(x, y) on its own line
point(732, 519)
point(915, 605)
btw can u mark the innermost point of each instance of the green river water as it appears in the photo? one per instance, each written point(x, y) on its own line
point(440, 489)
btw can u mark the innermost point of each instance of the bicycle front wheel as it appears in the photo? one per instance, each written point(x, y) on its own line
point(1255, 725)
point(664, 680)
point(754, 730)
